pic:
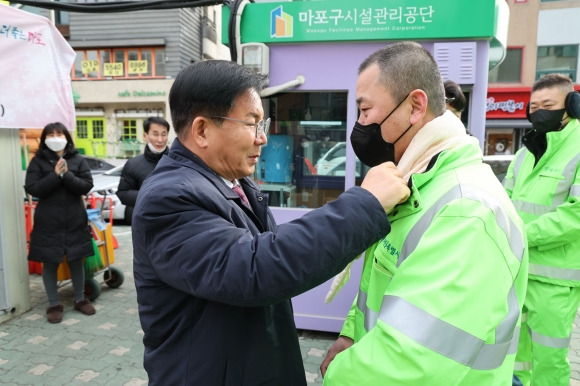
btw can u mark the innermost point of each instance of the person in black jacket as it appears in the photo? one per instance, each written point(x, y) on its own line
point(214, 273)
point(59, 177)
point(156, 130)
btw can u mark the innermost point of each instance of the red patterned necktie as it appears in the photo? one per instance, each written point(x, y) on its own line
point(238, 189)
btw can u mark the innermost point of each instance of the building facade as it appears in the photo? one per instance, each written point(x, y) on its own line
point(543, 38)
point(125, 66)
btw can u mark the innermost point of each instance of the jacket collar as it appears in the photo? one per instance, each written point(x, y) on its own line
point(257, 199)
point(154, 157)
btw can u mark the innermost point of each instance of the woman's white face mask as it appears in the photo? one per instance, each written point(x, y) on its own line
point(55, 143)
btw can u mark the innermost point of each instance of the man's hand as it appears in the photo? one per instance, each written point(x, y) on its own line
point(341, 344)
point(385, 182)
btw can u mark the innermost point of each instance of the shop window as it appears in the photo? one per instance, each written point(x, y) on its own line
point(119, 63)
point(557, 59)
point(510, 70)
point(304, 163)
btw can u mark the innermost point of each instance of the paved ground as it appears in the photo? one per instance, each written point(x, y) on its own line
point(106, 348)
point(103, 349)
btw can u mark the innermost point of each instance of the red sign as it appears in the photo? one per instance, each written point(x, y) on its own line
point(507, 103)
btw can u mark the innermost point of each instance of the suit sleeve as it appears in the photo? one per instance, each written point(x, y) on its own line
point(201, 252)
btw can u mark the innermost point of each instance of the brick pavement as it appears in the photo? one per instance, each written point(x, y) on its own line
point(103, 349)
point(106, 348)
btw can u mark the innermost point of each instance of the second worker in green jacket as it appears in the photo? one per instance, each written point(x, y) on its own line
point(543, 182)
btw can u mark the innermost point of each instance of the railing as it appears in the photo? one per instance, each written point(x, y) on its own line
point(114, 149)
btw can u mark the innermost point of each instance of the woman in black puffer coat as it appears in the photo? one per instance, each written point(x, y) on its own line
point(59, 177)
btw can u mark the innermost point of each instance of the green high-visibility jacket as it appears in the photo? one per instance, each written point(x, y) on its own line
point(440, 296)
point(547, 198)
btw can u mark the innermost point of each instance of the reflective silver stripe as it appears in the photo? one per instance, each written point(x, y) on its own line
point(575, 190)
point(554, 272)
point(518, 163)
point(508, 183)
point(548, 341)
point(370, 316)
point(564, 187)
point(442, 337)
point(515, 341)
point(415, 234)
point(512, 232)
point(535, 209)
point(514, 235)
point(522, 366)
point(361, 300)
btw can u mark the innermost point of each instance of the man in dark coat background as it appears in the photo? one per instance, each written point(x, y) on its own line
point(214, 273)
point(155, 134)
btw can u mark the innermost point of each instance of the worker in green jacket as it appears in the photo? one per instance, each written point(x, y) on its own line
point(440, 297)
point(543, 182)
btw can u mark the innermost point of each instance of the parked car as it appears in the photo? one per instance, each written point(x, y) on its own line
point(499, 164)
point(104, 190)
point(333, 162)
point(98, 165)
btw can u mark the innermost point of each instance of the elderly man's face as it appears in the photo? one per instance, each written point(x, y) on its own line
point(233, 149)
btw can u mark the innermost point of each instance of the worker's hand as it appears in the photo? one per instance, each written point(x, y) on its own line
point(385, 182)
point(341, 344)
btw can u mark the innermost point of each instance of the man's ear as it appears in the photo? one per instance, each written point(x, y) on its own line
point(198, 131)
point(419, 103)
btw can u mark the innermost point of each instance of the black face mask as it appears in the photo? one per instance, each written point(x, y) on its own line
point(368, 143)
point(544, 121)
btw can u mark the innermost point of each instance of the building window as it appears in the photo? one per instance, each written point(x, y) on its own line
point(557, 59)
point(98, 129)
point(82, 129)
point(129, 130)
point(510, 70)
point(119, 63)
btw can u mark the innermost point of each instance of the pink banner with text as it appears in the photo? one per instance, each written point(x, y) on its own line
point(35, 66)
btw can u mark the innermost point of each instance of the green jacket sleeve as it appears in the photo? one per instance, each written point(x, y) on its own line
point(348, 326)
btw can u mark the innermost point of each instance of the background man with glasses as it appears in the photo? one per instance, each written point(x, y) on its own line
point(213, 271)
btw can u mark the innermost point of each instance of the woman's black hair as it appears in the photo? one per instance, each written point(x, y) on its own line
point(56, 127)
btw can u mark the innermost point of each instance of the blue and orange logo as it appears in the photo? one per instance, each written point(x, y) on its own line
point(281, 24)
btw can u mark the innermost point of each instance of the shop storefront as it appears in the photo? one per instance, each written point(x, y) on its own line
point(506, 120)
point(309, 160)
point(110, 114)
